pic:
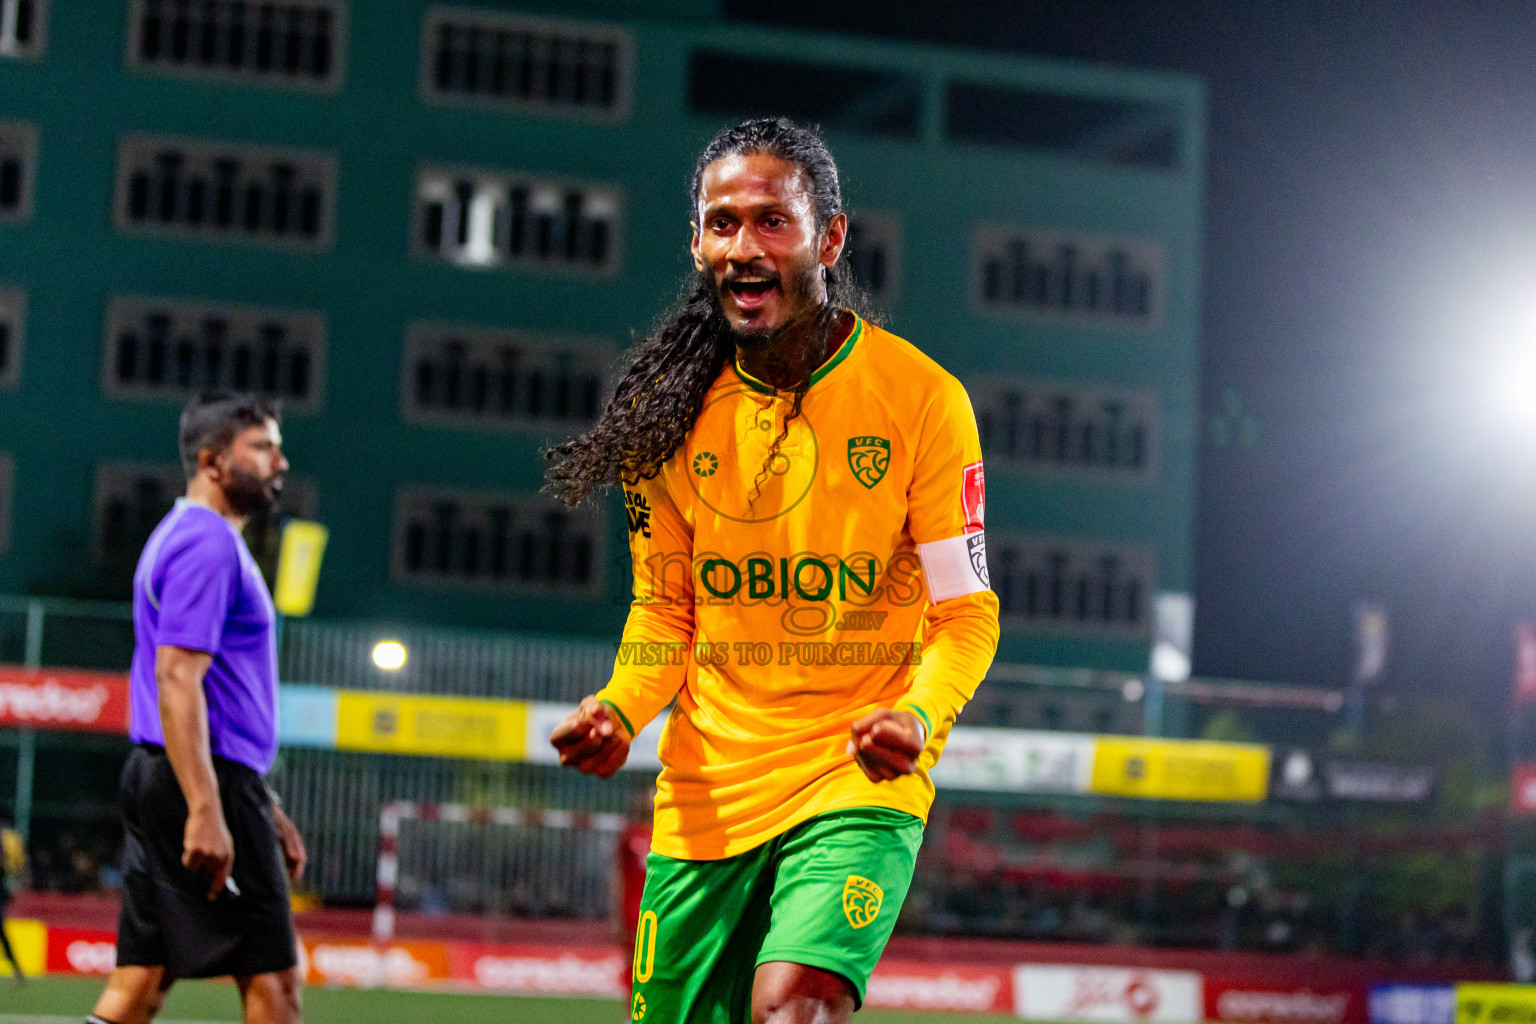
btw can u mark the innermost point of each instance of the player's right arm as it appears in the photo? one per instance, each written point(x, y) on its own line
point(195, 594)
point(654, 652)
point(207, 847)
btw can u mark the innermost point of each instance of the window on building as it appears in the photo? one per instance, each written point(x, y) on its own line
point(1065, 275)
point(22, 24)
point(505, 219)
point(523, 63)
point(1052, 427)
point(225, 191)
point(18, 162)
point(498, 542)
point(864, 101)
point(130, 501)
point(7, 474)
point(132, 498)
point(873, 253)
point(13, 325)
point(1123, 132)
point(1078, 587)
point(498, 378)
point(300, 44)
point(167, 349)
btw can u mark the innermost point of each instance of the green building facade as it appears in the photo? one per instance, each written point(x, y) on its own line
point(430, 229)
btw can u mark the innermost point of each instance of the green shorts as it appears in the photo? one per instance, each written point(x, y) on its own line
point(825, 894)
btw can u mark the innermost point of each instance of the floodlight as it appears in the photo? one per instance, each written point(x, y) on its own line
point(389, 655)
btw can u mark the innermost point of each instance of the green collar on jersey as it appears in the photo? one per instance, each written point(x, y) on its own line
point(827, 367)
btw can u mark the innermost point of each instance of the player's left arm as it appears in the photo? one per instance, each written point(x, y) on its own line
point(945, 508)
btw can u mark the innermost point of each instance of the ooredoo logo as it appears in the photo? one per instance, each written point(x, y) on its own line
point(565, 974)
point(51, 702)
point(362, 965)
point(1294, 1007)
point(941, 992)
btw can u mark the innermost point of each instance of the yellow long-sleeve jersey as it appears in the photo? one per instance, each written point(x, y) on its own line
point(782, 596)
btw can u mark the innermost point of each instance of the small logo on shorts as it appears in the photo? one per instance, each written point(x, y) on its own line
point(637, 1008)
point(861, 900)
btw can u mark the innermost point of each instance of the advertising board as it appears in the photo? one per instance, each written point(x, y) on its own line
point(1483, 1003)
point(1062, 992)
point(59, 699)
point(1413, 1004)
point(1244, 1001)
point(442, 726)
point(958, 988)
point(1016, 760)
point(29, 941)
point(1180, 769)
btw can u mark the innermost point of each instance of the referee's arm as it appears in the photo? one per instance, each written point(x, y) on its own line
point(207, 846)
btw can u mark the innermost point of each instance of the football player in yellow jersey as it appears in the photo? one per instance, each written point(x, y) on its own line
point(805, 503)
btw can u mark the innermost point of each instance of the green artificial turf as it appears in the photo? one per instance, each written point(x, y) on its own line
point(65, 1000)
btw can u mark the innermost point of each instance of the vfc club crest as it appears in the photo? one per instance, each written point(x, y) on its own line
point(869, 458)
point(861, 900)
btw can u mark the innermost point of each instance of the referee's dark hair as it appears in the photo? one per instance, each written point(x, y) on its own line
point(212, 419)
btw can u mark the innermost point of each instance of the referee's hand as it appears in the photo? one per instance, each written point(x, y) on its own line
point(886, 743)
point(592, 740)
point(208, 849)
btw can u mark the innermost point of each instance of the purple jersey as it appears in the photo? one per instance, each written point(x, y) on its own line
point(198, 587)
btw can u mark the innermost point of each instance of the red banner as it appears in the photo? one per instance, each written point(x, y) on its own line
point(361, 963)
point(1525, 662)
point(913, 985)
point(1230, 1001)
point(70, 701)
point(81, 951)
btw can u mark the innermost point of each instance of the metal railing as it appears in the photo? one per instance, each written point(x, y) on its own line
point(464, 663)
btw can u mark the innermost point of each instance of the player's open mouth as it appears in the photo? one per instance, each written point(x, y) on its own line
point(751, 292)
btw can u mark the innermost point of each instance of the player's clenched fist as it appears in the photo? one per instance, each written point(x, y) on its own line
point(592, 739)
point(886, 743)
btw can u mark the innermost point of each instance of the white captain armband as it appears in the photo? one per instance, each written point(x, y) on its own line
point(955, 567)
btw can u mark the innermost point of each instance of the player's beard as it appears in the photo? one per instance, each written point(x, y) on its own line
point(797, 284)
point(249, 494)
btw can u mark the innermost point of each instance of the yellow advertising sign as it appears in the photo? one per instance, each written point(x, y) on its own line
point(30, 941)
point(298, 566)
point(1483, 1003)
point(437, 726)
point(1179, 769)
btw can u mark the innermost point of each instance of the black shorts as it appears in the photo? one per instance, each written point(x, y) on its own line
point(167, 918)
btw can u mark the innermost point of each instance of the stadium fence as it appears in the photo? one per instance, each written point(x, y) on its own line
point(492, 850)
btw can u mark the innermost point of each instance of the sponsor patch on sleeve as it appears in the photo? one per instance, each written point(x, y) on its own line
point(955, 567)
point(639, 512)
point(973, 498)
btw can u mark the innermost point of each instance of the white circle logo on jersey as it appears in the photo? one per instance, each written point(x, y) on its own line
point(767, 468)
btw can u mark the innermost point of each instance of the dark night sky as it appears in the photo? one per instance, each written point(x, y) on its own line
point(1371, 202)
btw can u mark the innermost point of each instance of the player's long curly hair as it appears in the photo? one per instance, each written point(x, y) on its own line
point(661, 392)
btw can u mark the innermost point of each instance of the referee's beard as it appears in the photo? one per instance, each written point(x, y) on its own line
point(248, 493)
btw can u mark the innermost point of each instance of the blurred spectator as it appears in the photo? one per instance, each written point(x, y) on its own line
point(13, 862)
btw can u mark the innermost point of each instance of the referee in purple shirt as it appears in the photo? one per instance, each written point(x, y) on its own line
point(208, 851)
